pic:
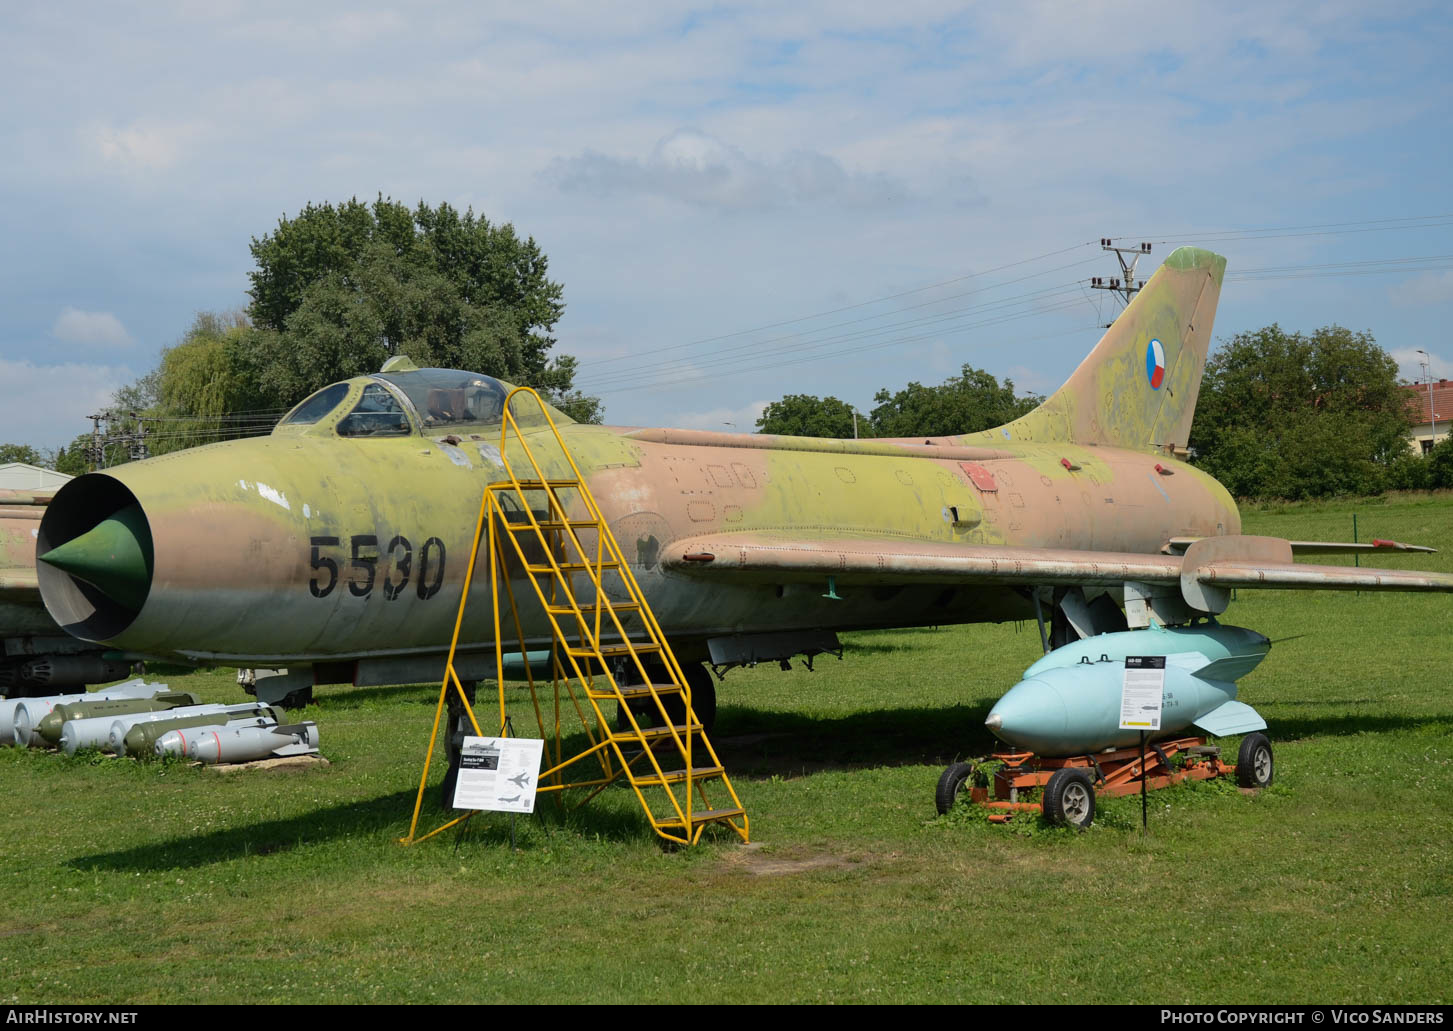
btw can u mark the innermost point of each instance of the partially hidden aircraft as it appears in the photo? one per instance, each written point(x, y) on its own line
point(336, 547)
point(36, 656)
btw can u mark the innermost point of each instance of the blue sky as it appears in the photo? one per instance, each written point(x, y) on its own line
point(694, 173)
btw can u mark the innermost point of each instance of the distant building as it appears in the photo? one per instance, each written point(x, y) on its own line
point(19, 476)
point(1431, 419)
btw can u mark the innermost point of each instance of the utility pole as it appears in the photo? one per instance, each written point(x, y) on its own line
point(93, 453)
point(1427, 365)
point(139, 448)
point(1128, 286)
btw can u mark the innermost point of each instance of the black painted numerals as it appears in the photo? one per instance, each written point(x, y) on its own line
point(401, 554)
point(358, 587)
point(427, 588)
point(321, 590)
point(364, 559)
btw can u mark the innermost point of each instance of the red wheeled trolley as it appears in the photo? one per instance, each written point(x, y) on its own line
point(1070, 784)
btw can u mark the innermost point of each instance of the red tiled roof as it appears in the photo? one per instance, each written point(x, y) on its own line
point(1442, 400)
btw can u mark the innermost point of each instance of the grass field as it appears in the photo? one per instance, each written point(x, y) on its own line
point(165, 883)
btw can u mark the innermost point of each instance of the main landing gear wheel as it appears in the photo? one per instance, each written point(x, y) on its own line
point(703, 695)
point(299, 699)
point(1069, 799)
point(950, 784)
point(1254, 763)
point(456, 727)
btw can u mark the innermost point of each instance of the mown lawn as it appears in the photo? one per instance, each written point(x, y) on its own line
point(165, 883)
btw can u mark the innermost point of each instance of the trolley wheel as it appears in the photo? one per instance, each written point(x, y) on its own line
point(950, 784)
point(1069, 798)
point(1254, 763)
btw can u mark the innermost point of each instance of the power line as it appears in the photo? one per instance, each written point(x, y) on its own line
point(685, 368)
point(765, 348)
point(757, 368)
point(848, 307)
point(1378, 225)
point(898, 341)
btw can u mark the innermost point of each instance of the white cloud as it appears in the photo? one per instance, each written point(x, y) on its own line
point(47, 405)
point(90, 329)
point(144, 145)
point(1410, 365)
point(724, 420)
point(1428, 288)
point(1032, 380)
point(699, 169)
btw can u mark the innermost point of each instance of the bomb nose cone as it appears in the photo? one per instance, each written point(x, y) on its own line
point(114, 556)
point(50, 726)
point(1030, 715)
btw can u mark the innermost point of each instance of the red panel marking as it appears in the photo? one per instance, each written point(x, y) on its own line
point(981, 477)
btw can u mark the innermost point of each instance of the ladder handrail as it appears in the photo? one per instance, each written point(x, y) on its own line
point(602, 616)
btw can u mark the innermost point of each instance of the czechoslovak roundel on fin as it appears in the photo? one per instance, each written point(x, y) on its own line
point(1138, 387)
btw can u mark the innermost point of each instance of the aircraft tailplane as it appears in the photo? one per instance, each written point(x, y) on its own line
point(1138, 387)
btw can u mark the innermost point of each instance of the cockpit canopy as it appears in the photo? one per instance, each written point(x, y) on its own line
point(406, 400)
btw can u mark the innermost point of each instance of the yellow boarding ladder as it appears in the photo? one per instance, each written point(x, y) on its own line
point(607, 646)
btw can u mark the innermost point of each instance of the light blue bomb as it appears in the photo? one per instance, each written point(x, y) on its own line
point(1068, 703)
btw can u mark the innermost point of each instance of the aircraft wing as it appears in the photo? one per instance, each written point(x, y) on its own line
point(1212, 563)
point(1178, 545)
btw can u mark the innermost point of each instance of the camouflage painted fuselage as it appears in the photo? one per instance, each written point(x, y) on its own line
point(308, 547)
point(305, 548)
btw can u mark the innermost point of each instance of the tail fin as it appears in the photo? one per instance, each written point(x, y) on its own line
point(1138, 387)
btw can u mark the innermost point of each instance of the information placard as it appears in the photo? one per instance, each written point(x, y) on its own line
point(498, 774)
point(1141, 692)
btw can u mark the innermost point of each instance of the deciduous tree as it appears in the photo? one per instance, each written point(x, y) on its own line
point(1291, 415)
point(971, 401)
point(803, 415)
point(337, 290)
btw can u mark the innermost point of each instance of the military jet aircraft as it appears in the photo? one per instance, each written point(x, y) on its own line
point(336, 546)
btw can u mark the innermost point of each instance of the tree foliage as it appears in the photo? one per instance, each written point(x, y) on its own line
point(1290, 415)
point(21, 453)
point(337, 290)
point(1433, 471)
point(971, 401)
point(802, 415)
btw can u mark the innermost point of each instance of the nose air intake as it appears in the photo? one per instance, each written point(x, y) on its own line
point(94, 557)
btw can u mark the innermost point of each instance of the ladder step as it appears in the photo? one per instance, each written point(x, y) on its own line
point(573, 567)
point(554, 524)
point(654, 733)
point(706, 816)
point(536, 484)
point(588, 607)
point(610, 650)
point(678, 776)
point(635, 691)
